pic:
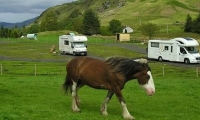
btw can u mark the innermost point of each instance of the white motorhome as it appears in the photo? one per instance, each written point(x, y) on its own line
point(71, 44)
point(177, 49)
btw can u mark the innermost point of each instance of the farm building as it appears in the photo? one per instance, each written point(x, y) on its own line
point(127, 30)
point(122, 37)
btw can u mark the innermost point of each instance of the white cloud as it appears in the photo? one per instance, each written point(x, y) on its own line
point(19, 10)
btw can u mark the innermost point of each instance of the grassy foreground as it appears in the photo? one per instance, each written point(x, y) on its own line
point(24, 96)
point(42, 98)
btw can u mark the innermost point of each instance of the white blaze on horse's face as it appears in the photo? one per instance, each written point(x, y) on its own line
point(149, 87)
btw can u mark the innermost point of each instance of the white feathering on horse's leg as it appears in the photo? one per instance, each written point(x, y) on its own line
point(74, 104)
point(125, 113)
point(103, 109)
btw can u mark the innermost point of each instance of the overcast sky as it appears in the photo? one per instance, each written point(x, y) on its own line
point(13, 11)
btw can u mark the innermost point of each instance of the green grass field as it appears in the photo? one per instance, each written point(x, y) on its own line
point(39, 49)
point(42, 98)
point(24, 96)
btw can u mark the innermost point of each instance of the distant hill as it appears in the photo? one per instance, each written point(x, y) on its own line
point(131, 12)
point(19, 24)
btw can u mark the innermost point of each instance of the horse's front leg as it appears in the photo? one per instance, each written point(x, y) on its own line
point(125, 113)
point(74, 98)
point(103, 109)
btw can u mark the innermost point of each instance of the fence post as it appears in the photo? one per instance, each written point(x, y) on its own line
point(35, 70)
point(1, 69)
point(163, 71)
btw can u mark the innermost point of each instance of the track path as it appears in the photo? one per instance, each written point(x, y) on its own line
point(131, 47)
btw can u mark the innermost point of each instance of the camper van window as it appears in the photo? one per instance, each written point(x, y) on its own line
point(182, 50)
point(155, 44)
point(191, 49)
point(66, 42)
point(166, 48)
point(79, 44)
point(171, 49)
point(180, 42)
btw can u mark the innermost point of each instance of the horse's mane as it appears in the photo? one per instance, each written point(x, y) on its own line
point(124, 65)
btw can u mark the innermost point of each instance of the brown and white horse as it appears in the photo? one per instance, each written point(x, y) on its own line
point(111, 74)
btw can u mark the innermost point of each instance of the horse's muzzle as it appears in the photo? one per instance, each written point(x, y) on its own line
point(150, 91)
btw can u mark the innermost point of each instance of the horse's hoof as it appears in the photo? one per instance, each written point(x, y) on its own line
point(76, 110)
point(105, 113)
point(129, 118)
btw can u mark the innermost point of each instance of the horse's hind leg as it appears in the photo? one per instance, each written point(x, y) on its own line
point(103, 109)
point(78, 100)
point(74, 98)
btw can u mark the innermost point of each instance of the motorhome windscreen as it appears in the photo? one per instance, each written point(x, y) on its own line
point(191, 49)
point(155, 44)
point(79, 44)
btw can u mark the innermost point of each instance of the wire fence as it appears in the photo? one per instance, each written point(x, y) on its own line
point(177, 72)
point(31, 69)
point(39, 69)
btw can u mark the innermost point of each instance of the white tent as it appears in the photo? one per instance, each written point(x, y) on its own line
point(127, 30)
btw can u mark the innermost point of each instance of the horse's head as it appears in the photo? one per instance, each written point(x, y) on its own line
point(145, 78)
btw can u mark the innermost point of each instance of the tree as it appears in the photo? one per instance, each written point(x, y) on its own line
point(149, 29)
point(115, 26)
point(91, 23)
point(105, 31)
point(189, 24)
point(43, 26)
point(16, 35)
point(21, 34)
point(49, 23)
point(34, 28)
point(2, 31)
point(74, 14)
point(10, 33)
point(6, 35)
point(197, 25)
point(74, 24)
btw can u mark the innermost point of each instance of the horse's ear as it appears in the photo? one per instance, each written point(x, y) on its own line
point(142, 60)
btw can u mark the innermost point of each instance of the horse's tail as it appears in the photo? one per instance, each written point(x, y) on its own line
point(67, 84)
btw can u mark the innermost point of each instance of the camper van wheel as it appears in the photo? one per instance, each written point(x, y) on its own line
point(186, 61)
point(74, 54)
point(63, 53)
point(160, 59)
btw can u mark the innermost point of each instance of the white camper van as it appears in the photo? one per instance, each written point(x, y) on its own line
point(177, 49)
point(71, 44)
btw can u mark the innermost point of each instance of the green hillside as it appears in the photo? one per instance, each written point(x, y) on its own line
point(131, 12)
